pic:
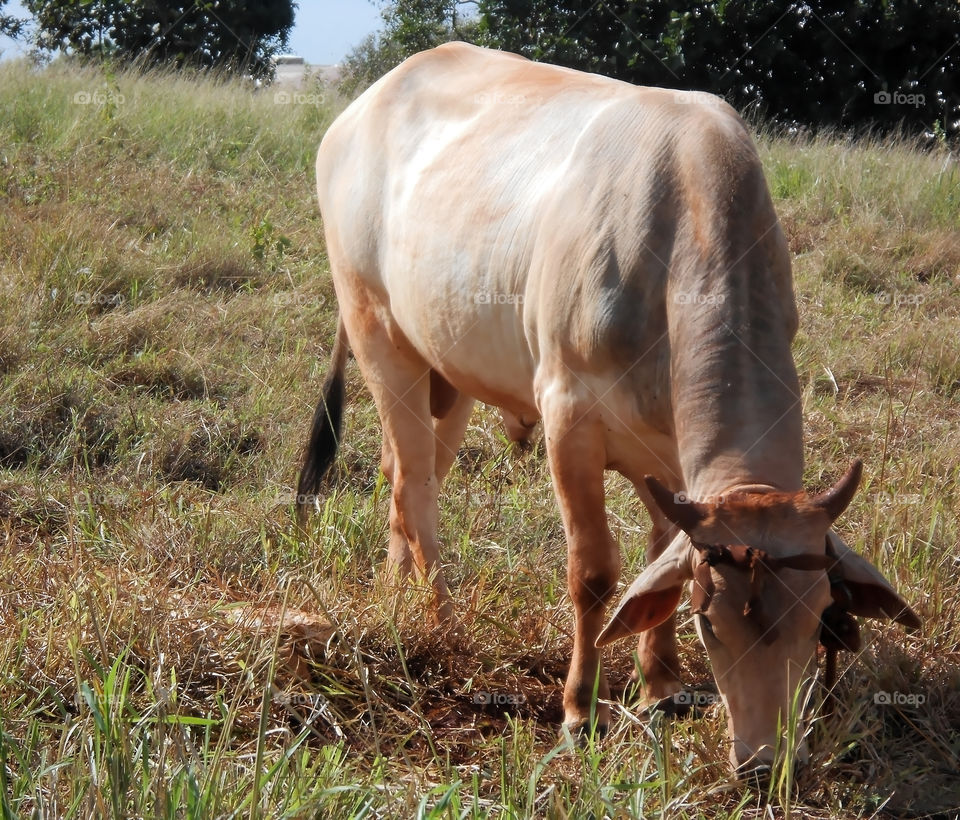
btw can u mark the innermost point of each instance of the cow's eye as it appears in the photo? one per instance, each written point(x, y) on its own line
point(706, 626)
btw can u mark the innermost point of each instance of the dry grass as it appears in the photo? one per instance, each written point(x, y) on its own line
point(170, 646)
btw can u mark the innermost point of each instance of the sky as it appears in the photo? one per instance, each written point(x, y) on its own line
point(323, 30)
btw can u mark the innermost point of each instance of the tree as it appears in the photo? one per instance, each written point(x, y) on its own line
point(820, 62)
point(10, 26)
point(409, 26)
point(232, 34)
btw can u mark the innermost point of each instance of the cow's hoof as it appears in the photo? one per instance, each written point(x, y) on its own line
point(755, 776)
point(521, 445)
point(672, 706)
point(581, 731)
point(685, 703)
point(453, 632)
point(648, 691)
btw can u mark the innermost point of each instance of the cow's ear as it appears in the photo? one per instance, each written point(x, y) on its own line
point(654, 596)
point(871, 595)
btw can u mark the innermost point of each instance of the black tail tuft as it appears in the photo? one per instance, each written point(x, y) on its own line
point(324, 439)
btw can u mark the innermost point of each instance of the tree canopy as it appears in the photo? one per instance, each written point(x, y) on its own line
point(233, 34)
point(409, 26)
point(10, 26)
point(836, 63)
point(818, 62)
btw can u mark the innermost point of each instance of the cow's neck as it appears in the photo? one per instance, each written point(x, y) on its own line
point(736, 395)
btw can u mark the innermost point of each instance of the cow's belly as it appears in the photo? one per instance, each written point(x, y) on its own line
point(477, 345)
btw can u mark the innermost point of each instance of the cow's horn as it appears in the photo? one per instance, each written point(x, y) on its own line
point(835, 500)
point(677, 507)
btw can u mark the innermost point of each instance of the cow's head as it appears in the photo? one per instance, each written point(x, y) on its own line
point(765, 568)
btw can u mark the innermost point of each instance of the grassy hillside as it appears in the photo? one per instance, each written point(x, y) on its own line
point(171, 646)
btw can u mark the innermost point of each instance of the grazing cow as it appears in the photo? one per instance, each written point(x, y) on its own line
point(605, 258)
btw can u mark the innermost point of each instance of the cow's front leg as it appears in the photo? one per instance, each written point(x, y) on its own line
point(657, 647)
point(576, 453)
point(659, 662)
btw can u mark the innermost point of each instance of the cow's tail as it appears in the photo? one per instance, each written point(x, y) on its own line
point(325, 431)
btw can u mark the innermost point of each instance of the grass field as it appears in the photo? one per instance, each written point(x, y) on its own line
point(170, 646)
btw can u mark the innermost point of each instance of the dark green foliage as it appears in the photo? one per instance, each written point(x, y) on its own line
point(232, 34)
point(10, 26)
point(840, 63)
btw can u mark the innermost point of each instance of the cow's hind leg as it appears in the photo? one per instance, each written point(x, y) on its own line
point(399, 556)
point(451, 413)
point(449, 423)
point(575, 449)
point(399, 380)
